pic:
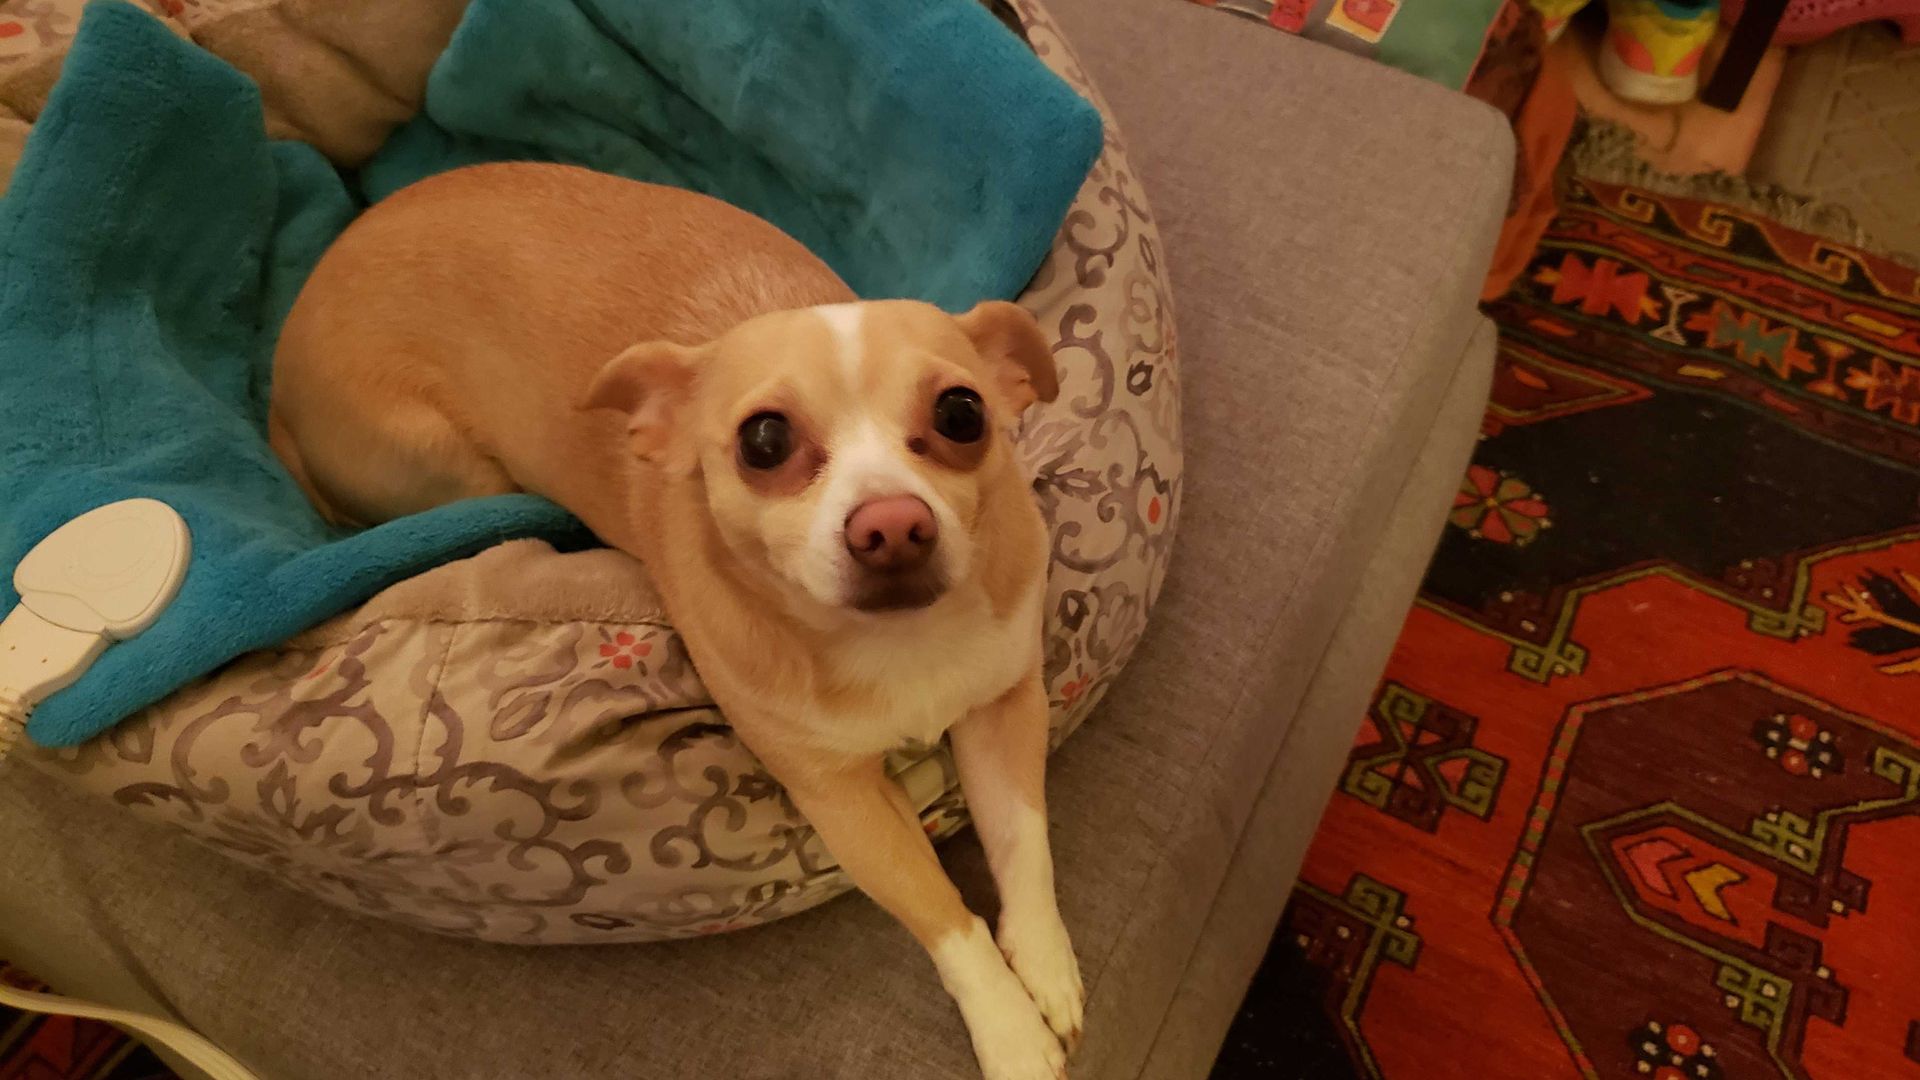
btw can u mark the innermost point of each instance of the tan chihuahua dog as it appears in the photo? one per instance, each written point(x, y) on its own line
point(825, 493)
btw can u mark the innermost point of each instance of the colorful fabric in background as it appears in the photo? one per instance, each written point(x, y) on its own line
point(1492, 50)
point(1530, 84)
point(1639, 794)
point(1439, 40)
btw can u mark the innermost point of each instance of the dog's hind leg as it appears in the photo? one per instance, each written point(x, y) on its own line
point(363, 469)
point(288, 452)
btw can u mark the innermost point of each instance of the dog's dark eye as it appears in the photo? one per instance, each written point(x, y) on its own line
point(766, 441)
point(958, 414)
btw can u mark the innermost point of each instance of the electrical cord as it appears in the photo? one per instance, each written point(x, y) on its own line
point(192, 1046)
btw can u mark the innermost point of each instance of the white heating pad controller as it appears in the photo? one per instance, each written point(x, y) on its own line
point(100, 578)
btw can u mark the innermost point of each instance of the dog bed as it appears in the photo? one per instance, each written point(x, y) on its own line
point(514, 747)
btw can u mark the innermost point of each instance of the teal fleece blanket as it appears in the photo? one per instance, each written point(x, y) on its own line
point(153, 238)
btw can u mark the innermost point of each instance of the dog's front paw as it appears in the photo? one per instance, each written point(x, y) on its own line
point(1009, 1036)
point(1037, 948)
point(1013, 1044)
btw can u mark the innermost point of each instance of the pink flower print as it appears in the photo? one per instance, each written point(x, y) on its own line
point(621, 650)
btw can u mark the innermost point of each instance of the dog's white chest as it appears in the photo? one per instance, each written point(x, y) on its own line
point(926, 678)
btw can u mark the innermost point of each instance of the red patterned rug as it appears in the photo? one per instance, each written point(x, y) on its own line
point(1639, 795)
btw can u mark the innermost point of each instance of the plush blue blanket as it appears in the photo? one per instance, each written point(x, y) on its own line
point(153, 238)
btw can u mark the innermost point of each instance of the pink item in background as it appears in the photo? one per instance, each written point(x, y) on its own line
point(1811, 20)
point(1291, 15)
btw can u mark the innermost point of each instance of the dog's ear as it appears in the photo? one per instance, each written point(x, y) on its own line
point(652, 383)
point(1009, 339)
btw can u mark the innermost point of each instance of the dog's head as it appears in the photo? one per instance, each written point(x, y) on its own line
point(855, 457)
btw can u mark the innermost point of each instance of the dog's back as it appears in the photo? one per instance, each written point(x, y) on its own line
point(526, 267)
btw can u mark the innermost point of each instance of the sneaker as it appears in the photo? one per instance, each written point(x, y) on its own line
point(1653, 48)
point(1555, 14)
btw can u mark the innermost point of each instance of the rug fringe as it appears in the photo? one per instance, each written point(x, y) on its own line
point(1609, 153)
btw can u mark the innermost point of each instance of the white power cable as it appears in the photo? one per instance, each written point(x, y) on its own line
point(100, 578)
point(189, 1044)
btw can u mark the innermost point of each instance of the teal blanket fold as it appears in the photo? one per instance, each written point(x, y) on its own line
point(153, 238)
point(917, 147)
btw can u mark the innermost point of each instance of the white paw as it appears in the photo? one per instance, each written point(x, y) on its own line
point(1039, 951)
point(1009, 1036)
point(1016, 1045)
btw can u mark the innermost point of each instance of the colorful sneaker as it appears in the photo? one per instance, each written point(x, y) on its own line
point(1653, 48)
point(1555, 14)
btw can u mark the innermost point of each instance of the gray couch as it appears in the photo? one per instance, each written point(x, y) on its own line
point(1327, 223)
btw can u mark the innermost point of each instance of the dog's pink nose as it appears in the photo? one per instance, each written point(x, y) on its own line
point(894, 533)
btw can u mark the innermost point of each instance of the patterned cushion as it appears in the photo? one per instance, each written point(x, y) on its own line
point(505, 748)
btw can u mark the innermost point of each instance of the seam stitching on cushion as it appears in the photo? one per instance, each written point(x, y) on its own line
point(420, 743)
point(308, 645)
point(656, 621)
